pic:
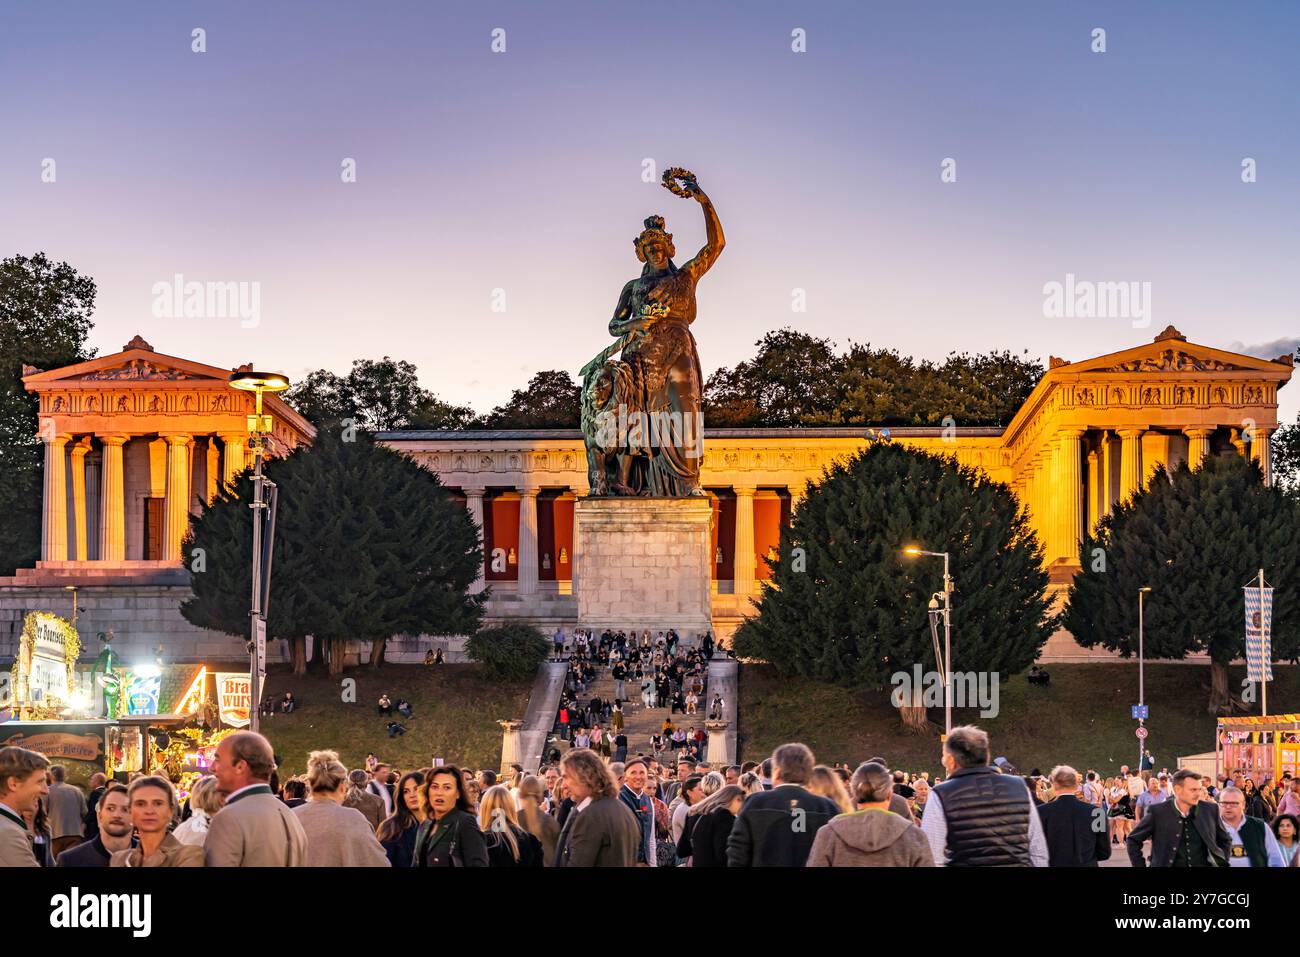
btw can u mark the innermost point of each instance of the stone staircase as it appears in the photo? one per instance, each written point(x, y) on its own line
point(639, 722)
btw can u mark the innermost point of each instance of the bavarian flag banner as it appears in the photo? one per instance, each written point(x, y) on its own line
point(1259, 633)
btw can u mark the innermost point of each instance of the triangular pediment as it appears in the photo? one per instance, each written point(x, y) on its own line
point(136, 364)
point(1172, 353)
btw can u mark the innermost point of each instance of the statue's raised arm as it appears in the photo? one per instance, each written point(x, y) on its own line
point(715, 241)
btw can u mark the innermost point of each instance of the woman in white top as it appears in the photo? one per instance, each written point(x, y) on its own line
point(205, 801)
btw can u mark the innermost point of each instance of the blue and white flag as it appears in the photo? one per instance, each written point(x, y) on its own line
point(1259, 634)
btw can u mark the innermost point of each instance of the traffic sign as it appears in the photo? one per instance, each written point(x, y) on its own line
point(1141, 712)
point(1141, 733)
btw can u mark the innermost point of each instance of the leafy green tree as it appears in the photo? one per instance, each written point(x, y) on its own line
point(1285, 451)
point(45, 311)
point(368, 545)
point(511, 652)
point(799, 380)
point(793, 380)
point(846, 606)
point(549, 401)
point(379, 396)
point(1195, 538)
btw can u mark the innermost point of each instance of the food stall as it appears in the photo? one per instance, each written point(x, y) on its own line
point(1265, 746)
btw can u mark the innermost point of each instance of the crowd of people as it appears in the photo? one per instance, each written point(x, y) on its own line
point(588, 811)
point(664, 674)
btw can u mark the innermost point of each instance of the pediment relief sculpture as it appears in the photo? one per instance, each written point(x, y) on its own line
point(137, 370)
point(1173, 360)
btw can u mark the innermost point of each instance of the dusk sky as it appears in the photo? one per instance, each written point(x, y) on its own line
point(522, 171)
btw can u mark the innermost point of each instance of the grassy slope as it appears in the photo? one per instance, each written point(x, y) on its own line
point(1081, 719)
point(456, 711)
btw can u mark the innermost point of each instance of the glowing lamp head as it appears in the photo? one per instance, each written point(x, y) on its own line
point(911, 551)
point(258, 381)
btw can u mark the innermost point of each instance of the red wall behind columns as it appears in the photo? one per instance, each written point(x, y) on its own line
point(563, 516)
point(501, 530)
point(767, 533)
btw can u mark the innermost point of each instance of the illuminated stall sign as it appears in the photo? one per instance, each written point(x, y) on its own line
point(235, 697)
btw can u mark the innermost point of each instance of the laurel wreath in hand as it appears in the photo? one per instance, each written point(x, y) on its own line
point(680, 181)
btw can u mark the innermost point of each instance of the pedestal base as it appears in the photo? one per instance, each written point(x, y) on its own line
point(643, 563)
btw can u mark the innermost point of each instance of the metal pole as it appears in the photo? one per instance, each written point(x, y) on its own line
point(1142, 700)
point(947, 649)
point(1264, 664)
point(255, 615)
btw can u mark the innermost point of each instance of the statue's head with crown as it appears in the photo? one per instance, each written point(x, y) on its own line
point(654, 246)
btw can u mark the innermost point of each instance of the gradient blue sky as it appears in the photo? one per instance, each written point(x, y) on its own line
point(522, 171)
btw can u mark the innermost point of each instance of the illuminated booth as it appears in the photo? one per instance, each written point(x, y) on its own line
point(1263, 746)
point(112, 717)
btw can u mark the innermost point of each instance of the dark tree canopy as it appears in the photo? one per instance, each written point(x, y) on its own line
point(45, 311)
point(511, 651)
point(799, 380)
point(1286, 456)
point(858, 613)
point(379, 396)
point(1195, 538)
point(368, 545)
point(549, 401)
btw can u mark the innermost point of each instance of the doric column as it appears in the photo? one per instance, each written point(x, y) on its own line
point(112, 501)
point(744, 558)
point(176, 511)
point(210, 473)
point(1109, 488)
point(1259, 451)
point(236, 445)
point(1069, 491)
point(1094, 496)
point(1239, 443)
point(79, 523)
point(474, 505)
point(54, 528)
point(1198, 446)
point(1130, 463)
point(528, 540)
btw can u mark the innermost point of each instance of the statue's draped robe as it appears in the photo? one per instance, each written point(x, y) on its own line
point(669, 384)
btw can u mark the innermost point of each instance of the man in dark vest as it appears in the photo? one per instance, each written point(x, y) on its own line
point(1184, 831)
point(979, 817)
point(1253, 843)
point(1076, 831)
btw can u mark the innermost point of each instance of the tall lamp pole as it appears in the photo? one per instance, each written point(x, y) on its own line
point(263, 505)
point(1142, 697)
point(945, 666)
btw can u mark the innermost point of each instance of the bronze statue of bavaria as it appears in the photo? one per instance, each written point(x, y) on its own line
point(641, 417)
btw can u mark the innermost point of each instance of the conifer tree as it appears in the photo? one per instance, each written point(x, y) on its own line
point(846, 606)
point(368, 545)
point(1195, 538)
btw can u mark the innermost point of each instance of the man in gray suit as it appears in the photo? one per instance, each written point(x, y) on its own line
point(600, 831)
point(254, 828)
point(22, 785)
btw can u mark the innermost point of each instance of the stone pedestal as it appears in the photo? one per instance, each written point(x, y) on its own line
point(717, 750)
point(643, 563)
point(510, 752)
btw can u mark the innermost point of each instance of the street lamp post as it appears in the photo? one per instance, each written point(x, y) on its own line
point(263, 513)
point(1142, 698)
point(945, 666)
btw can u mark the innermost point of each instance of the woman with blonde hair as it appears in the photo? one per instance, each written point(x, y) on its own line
point(828, 784)
point(508, 844)
point(750, 783)
point(337, 836)
point(205, 801)
point(534, 820)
